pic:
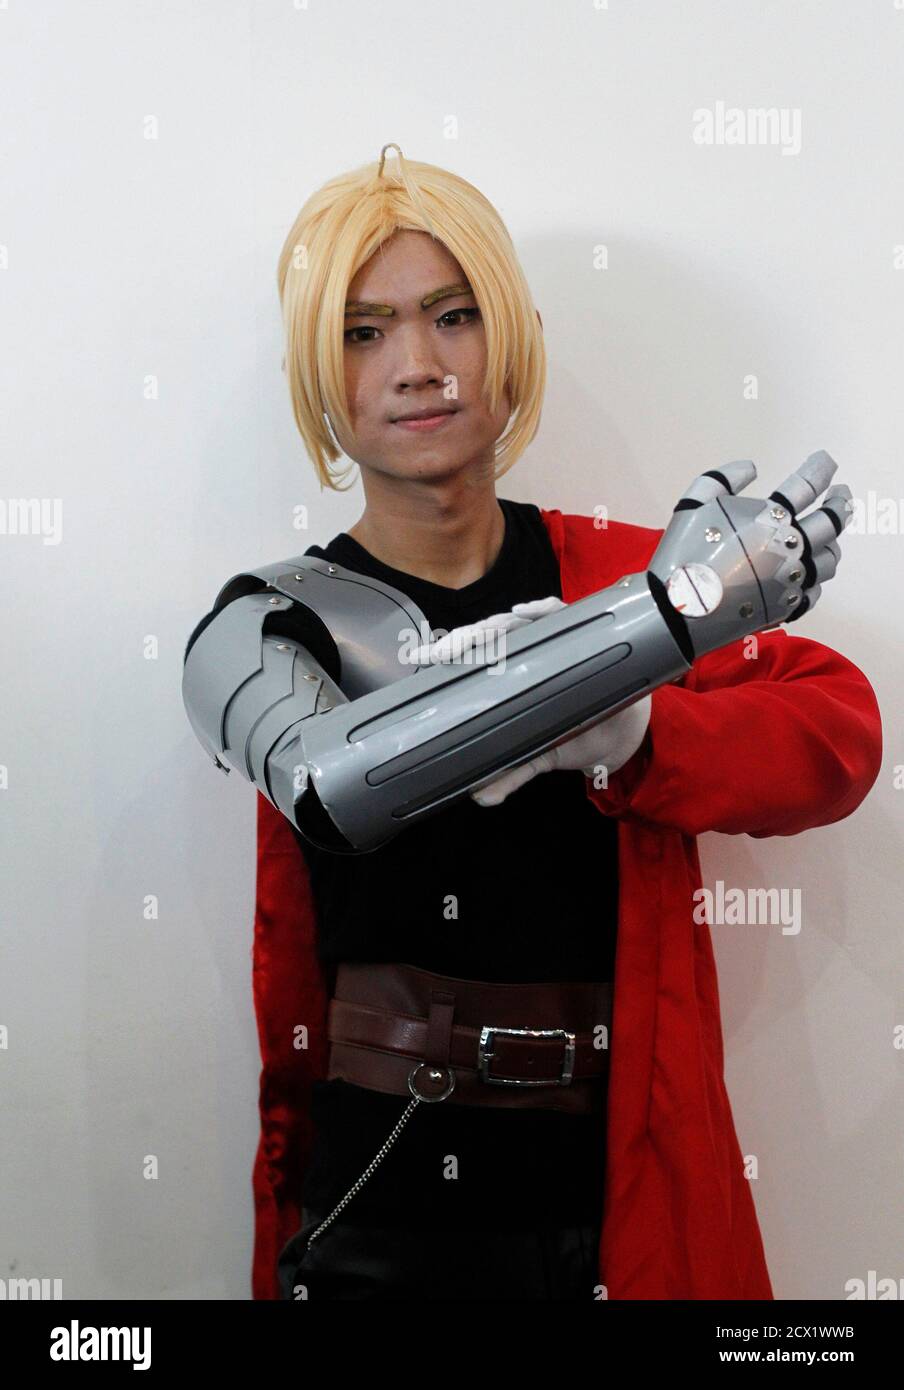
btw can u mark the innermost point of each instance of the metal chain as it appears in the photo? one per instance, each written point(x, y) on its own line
point(378, 1157)
point(416, 1099)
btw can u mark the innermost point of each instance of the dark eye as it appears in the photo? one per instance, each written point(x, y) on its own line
point(363, 328)
point(472, 313)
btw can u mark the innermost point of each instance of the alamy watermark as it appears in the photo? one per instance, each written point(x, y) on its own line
point(731, 125)
point(749, 907)
point(32, 516)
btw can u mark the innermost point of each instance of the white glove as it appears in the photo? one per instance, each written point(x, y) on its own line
point(487, 632)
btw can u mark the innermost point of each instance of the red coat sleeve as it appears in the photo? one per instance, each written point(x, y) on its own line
point(766, 746)
point(291, 988)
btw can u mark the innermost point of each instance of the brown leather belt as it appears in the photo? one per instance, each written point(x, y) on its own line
point(406, 1031)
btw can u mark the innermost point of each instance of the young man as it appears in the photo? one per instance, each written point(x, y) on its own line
point(412, 346)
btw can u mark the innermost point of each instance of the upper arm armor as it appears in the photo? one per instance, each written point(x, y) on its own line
point(282, 643)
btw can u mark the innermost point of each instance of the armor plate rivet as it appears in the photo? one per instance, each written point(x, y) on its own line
point(712, 534)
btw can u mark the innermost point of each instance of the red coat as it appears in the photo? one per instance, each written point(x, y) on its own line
point(770, 746)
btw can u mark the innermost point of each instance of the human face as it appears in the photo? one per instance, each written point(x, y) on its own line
point(428, 353)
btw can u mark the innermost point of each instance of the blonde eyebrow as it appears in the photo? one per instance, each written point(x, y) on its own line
point(360, 308)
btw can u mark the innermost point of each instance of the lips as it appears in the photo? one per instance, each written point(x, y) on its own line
point(422, 421)
point(428, 413)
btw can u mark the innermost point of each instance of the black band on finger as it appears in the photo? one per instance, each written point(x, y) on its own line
point(782, 500)
point(800, 610)
point(810, 575)
point(838, 524)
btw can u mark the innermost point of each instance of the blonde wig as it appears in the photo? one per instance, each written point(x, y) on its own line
point(339, 228)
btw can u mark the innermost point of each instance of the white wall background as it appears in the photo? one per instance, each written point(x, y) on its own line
point(128, 258)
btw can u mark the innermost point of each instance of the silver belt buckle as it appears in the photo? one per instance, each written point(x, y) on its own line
point(488, 1034)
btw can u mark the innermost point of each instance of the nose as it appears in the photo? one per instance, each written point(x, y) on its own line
point(417, 362)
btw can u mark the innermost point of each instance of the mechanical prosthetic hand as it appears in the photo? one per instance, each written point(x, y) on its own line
point(310, 680)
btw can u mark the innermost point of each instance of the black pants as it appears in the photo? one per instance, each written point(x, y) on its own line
point(558, 1264)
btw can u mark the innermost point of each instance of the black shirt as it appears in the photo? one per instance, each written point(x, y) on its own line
point(527, 890)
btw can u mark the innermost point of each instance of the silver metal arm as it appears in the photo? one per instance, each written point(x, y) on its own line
point(394, 756)
point(331, 722)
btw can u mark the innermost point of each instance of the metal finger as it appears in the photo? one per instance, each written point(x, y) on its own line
point(802, 487)
point(820, 527)
point(825, 564)
point(829, 520)
point(840, 501)
point(806, 603)
point(715, 482)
